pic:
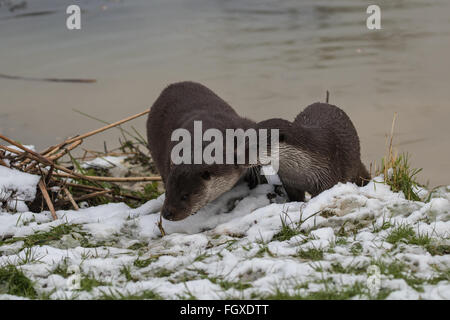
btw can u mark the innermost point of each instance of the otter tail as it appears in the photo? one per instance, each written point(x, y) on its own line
point(363, 176)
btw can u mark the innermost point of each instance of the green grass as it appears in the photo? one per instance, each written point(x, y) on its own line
point(220, 281)
point(403, 177)
point(42, 237)
point(116, 295)
point(438, 249)
point(310, 254)
point(356, 249)
point(327, 213)
point(145, 262)
point(399, 270)
point(401, 233)
point(201, 257)
point(138, 245)
point(406, 234)
point(162, 273)
point(126, 272)
point(13, 281)
point(87, 283)
point(264, 249)
point(337, 267)
point(62, 269)
point(286, 232)
point(330, 292)
point(384, 226)
point(225, 285)
point(149, 191)
point(442, 276)
point(341, 241)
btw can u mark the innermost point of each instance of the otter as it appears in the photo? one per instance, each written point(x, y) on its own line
point(317, 150)
point(189, 187)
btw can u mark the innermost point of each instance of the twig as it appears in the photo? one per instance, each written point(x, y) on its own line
point(92, 195)
point(115, 124)
point(53, 149)
point(47, 199)
point(160, 226)
point(37, 157)
point(70, 174)
point(85, 187)
point(18, 145)
point(49, 175)
point(11, 150)
point(72, 201)
point(65, 150)
point(107, 179)
point(91, 188)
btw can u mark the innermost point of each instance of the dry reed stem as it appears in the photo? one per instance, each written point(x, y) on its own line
point(37, 157)
point(31, 152)
point(65, 150)
point(72, 201)
point(53, 149)
point(33, 162)
point(46, 196)
point(160, 226)
point(108, 179)
point(91, 188)
point(85, 187)
point(11, 150)
point(115, 124)
point(92, 195)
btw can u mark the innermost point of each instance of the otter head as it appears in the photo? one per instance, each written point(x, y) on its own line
point(191, 187)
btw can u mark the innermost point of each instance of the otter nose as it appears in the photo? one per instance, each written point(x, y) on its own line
point(167, 214)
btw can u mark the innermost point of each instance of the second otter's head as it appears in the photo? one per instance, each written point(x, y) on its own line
point(191, 187)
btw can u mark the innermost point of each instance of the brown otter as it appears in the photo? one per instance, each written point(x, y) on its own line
point(191, 186)
point(316, 151)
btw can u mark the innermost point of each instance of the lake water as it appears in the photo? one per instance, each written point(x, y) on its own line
point(266, 58)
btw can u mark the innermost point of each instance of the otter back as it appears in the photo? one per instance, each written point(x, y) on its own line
point(177, 107)
point(319, 149)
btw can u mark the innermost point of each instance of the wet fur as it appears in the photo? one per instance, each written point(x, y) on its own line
point(317, 150)
point(178, 106)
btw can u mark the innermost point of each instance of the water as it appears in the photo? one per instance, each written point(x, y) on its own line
point(266, 58)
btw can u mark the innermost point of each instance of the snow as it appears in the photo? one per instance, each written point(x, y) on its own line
point(106, 162)
point(16, 187)
point(231, 241)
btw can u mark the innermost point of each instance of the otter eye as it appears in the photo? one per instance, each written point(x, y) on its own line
point(184, 197)
point(205, 175)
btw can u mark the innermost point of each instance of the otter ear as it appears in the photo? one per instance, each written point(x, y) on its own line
point(206, 175)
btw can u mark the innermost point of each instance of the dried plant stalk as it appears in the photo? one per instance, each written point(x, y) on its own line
point(160, 226)
point(72, 201)
point(47, 199)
